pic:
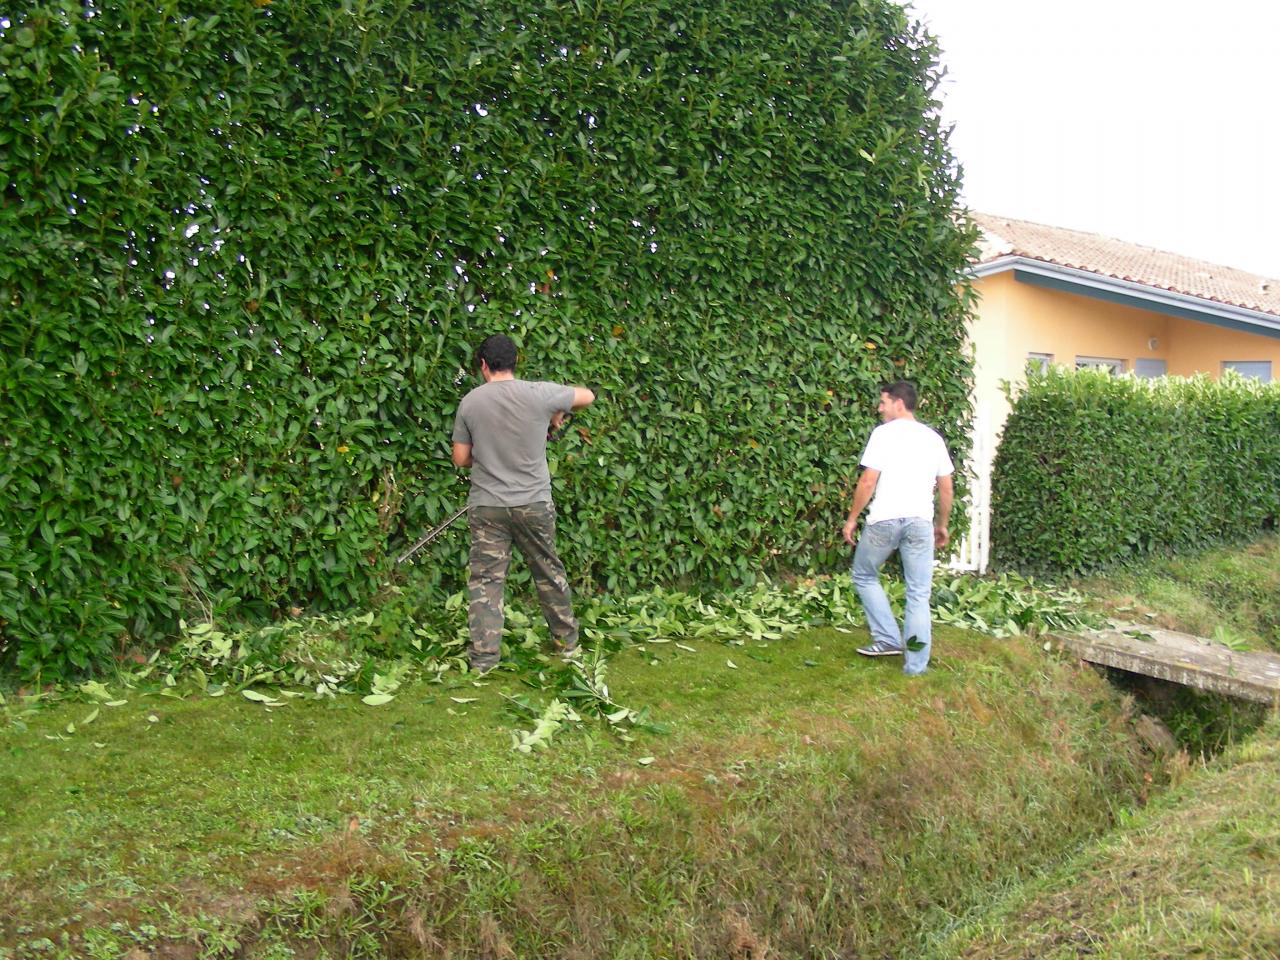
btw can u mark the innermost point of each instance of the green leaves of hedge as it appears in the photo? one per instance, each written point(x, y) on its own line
point(1094, 469)
point(250, 246)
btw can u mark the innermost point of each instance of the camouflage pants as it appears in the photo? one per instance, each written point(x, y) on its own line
point(532, 528)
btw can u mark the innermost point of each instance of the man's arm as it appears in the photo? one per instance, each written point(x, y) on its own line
point(582, 397)
point(946, 494)
point(461, 454)
point(862, 495)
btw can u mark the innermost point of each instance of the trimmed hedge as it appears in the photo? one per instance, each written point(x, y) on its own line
point(1094, 469)
point(250, 247)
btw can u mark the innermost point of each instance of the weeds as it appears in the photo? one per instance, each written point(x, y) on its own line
point(1203, 723)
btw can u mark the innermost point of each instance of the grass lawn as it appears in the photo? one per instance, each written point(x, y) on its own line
point(805, 802)
point(1196, 874)
point(798, 801)
point(1230, 593)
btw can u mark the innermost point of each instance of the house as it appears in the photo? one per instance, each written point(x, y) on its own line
point(1051, 295)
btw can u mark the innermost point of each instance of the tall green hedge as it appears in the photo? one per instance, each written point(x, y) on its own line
point(249, 246)
point(1094, 469)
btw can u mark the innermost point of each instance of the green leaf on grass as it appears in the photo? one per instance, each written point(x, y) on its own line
point(93, 688)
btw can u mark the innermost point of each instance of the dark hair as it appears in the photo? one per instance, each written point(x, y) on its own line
point(499, 352)
point(901, 390)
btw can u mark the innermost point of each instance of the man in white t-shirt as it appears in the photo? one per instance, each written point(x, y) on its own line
point(903, 464)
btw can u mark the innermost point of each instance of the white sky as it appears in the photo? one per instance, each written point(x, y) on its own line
point(1153, 121)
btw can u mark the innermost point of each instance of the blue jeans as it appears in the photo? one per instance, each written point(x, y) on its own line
point(912, 537)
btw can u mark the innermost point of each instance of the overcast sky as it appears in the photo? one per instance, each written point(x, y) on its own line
point(1153, 121)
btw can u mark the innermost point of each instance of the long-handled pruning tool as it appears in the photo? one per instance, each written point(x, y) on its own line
point(431, 535)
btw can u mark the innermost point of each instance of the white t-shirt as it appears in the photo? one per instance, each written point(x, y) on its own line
point(910, 458)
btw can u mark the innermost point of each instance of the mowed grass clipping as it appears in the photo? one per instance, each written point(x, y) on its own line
point(806, 802)
point(1196, 874)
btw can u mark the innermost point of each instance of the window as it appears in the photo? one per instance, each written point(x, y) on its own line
point(1256, 369)
point(1149, 368)
point(1039, 362)
point(1107, 364)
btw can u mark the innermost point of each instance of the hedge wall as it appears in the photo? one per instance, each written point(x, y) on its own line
point(1095, 469)
point(250, 246)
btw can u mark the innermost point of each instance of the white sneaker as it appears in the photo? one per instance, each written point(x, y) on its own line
point(881, 648)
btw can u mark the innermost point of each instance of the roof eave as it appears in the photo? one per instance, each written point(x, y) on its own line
point(1130, 293)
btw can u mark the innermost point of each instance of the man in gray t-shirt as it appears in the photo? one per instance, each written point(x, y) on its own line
point(501, 433)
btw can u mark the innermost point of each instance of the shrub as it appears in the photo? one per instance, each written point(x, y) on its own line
point(1094, 469)
point(252, 244)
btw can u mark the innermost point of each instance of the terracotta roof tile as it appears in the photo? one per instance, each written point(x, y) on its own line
point(1004, 236)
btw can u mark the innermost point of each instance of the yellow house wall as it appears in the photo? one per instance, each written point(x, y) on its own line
point(1202, 347)
point(1013, 319)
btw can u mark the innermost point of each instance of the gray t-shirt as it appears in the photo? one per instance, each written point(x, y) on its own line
point(505, 421)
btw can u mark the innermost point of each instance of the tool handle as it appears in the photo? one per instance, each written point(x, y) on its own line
point(431, 535)
point(554, 433)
